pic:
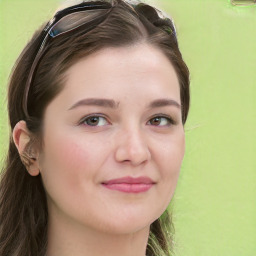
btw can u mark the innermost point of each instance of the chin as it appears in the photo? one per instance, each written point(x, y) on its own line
point(128, 224)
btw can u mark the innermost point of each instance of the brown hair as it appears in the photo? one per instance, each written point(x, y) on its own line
point(23, 207)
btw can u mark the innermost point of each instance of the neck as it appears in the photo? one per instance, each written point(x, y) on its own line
point(66, 238)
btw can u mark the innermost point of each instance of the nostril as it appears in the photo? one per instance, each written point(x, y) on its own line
point(132, 146)
point(135, 156)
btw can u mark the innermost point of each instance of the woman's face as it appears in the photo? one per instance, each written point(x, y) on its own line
point(114, 140)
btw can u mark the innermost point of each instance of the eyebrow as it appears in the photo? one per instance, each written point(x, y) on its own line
point(163, 103)
point(112, 104)
point(95, 102)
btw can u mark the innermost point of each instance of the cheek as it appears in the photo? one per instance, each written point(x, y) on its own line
point(61, 154)
point(170, 160)
point(171, 152)
point(67, 162)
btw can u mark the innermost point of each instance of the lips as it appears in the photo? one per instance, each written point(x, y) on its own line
point(129, 184)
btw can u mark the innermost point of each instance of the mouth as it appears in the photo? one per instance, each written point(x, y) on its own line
point(130, 184)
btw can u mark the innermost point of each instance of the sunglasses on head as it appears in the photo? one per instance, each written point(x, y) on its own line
point(68, 20)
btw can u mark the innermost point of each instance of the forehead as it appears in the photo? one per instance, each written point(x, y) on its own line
point(125, 71)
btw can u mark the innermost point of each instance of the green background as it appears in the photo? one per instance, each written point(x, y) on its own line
point(214, 207)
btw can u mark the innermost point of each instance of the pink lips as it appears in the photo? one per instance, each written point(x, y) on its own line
point(129, 184)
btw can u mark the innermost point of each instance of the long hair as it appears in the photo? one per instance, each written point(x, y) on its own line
point(23, 206)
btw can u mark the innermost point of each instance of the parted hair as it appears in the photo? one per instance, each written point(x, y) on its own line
point(23, 204)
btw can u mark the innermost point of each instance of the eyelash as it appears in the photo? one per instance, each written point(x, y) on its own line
point(82, 122)
point(170, 120)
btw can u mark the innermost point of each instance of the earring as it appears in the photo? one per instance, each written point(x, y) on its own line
point(27, 160)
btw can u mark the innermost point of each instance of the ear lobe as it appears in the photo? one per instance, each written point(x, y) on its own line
point(23, 142)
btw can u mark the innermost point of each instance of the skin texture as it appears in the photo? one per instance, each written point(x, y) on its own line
point(79, 154)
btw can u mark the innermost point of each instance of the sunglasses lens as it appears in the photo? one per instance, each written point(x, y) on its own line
point(75, 20)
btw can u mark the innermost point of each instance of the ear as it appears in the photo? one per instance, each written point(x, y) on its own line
point(24, 144)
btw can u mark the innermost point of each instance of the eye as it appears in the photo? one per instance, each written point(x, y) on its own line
point(95, 121)
point(161, 121)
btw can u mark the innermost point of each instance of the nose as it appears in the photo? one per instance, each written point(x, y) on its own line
point(132, 147)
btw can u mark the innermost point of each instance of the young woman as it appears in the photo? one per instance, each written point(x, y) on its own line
point(97, 104)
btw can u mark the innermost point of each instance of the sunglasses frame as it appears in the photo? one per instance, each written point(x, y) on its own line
point(49, 32)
